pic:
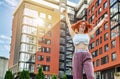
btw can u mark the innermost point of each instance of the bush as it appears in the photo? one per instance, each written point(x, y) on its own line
point(40, 74)
point(24, 75)
point(54, 77)
point(64, 76)
point(9, 75)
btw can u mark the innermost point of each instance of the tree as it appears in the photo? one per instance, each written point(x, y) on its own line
point(54, 77)
point(40, 74)
point(24, 75)
point(64, 76)
point(9, 75)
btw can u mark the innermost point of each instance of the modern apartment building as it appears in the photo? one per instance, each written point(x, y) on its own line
point(105, 43)
point(40, 37)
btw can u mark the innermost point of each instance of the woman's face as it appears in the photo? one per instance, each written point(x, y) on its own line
point(82, 27)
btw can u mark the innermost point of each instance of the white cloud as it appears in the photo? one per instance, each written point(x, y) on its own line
point(12, 3)
point(3, 37)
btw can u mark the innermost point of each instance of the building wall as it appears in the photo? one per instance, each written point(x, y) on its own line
point(3, 66)
point(107, 59)
point(53, 46)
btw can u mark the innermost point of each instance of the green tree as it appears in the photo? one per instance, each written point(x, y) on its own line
point(40, 74)
point(24, 75)
point(54, 77)
point(64, 76)
point(9, 75)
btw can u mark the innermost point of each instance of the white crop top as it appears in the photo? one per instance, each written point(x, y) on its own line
point(81, 38)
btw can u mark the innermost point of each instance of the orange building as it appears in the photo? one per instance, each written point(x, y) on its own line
point(105, 43)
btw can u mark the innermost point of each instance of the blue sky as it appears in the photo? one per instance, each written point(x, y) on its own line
point(6, 10)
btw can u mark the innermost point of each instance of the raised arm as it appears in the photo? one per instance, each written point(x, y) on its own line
point(68, 23)
point(98, 25)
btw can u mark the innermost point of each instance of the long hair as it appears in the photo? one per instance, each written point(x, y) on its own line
point(76, 26)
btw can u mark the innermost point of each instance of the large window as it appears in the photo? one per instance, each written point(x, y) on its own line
point(105, 36)
point(95, 53)
point(114, 20)
point(104, 60)
point(105, 26)
point(29, 30)
point(113, 56)
point(115, 32)
point(26, 66)
point(30, 12)
point(28, 48)
point(105, 5)
point(27, 57)
point(40, 58)
point(113, 10)
point(44, 49)
point(106, 48)
point(97, 62)
point(112, 2)
point(30, 21)
point(113, 44)
point(100, 50)
point(28, 39)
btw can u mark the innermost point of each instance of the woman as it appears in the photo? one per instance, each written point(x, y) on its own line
point(82, 59)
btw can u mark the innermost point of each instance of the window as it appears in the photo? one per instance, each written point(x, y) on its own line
point(62, 32)
point(105, 5)
point(44, 41)
point(113, 56)
point(28, 48)
point(97, 62)
point(98, 32)
point(100, 50)
point(106, 48)
point(105, 36)
point(105, 26)
point(115, 32)
point(40, 58)
point(99, 10)
point(43, 15)
point(28, 39)
point(62, 25)
point(97, 42)
point(47, 58)
point(113, 10)
point(92, 8)
point(95, 53)
point(93, 45)
point(46, 67)
point(30, 12)
point(30, 21)
point(49, 17)
point(62, 48)
point(104, 60)
point(113, 44)
point(62, 41)
point(112, 2)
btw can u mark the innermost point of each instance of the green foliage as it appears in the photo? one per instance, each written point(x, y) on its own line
point(9, 75)
point(64, 76)
point(54, 77)
point(24, 75)
point(40, 74)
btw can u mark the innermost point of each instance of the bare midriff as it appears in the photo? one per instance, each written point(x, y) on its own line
point(81, 46)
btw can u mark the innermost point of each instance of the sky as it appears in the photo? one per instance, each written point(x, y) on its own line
point(7, 8)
